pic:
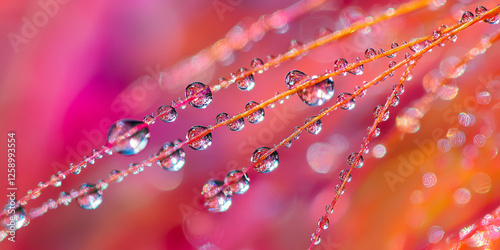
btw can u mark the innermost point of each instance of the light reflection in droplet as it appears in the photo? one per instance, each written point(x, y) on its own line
point(443, 145)
point(462, 196)
point(448, 92)
point(483, 98)
point(379, 151)
point(417, 197)
point(479, 140)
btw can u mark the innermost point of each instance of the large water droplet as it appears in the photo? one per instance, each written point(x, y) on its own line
point(349, 104)
point(174, 161)
point(344, 174)
point(204, 96)
point(92, 199)
point(257, 63)
point(166, 113)
point(215, 199)
point(268, 164)
point(237, 182)
point(257, 116)
point(358, 70)
point(237, 125)
point(467, 17)
point(314, 95)
point(314, 128)
point(128, 136)
point(246, 83)
point(323, 223)
point(339, 65)
point(378, 112)
point(14, 217)
point(201, 144)
point(370, 52)
point(352, 158)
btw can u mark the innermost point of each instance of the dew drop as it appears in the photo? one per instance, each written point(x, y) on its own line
point(174, 161)
point(323, 223)
point(344, 174)
point(340, 65)
point(237, 182)
point(92, 197)
point(297, 128)
point(293, 78)
point(391, 65)
point(257, 116)
point(215, 199)
point(400, 90)
point(329, 209)
point(64, 198)
point(315, 127)
point(362, 93)
point(315, 239)
point(56, 182)
point(349, 104)
point(378, 112)
point(393, 46)
point(339, 189)
point(222, 117)
point(116, 174)
point(166, 113)
point(257, 63)
point(268, 164)
point(370, 53)
point(15, 218)
point(245, 83)
point(483, 98)
point(322, 32)
point(203, 93)
point(149, 119)
point(128, 137)
point(358, 70)
point(394, 101)
point(352, 158)
point(314, 95)
point(467, 17)
point(237, 125)
point(202, 143)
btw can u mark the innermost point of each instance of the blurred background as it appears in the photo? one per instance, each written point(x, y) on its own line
point(69, 69)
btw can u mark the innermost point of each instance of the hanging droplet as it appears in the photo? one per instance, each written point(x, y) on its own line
point(376, 132)
point(174, 161)
point(295, 45)
point(56, 182)
point(344, 174)
point(149, 119)
point(315, 239)
point(362, 93)
point(257, 116)
point(257, 63)
point(135, 168)
point(128, 137)
point(358, 70)
point(222, 117)
point(467, 17)
point(102, 185)
point(237, 182)
point(349, 104)
point(323, 223)
point(92, 197)
point(293, 78)
point(215, 199)
point(297, 128)
point(393, 46)
point(245, 83)
point(64, 198)
point(352, 158)
point(237, 125)
point(370, 53)
point(116, 174)
point(381, 51)
point(340, 65)
point(314, 128)
point(268, 164)
point(394, 101)
point(202, 143)
point(391, 65)
point(288, 144)
point(339, 189)
point(400, 90)
point(378, 112)
point(314, 95)
point(322, 32)
point(166, 113)
point(329, 209)
point(203, 93)
point(15, 218)
point(418, 46)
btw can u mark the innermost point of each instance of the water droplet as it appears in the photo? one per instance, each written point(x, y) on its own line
point(149, 119)
point(102, 185)
point(393, 46)
point(418, 46)
point(352, 158)
point(293, 78)
point(257, 63)
point(344, 174)
point(369, 53)
point(391, 65)
point(349, 104)
point(467, 17)
point(394, 101)
point(203, 93)
point(315, 239)
point(400, 90)
point(15, 218)
point(166, 113)
point(202, 143)
point(362, 93)
point(339, 189)
point(257, 116)
point(268, 164)
point(329, 209)
point(323, 223)
point(358, 70)
point(315, 127)
point(174, 161)
point(128, 137)
point(237, 182)
point(64, 198)
point(288, 144)
point(92, 197)
point(116, 174)
point(376, 133)
point(270, 59)
point(56, 182)
point(378, 112)
point(340, 65)
point(245, 83)
point(318, 93)
point(295, 45)
point(34, 194)
point(135, 168)
point(222, 117)
point(479, 140)
point(298, 135)
point(322, 32)
point(215, 199)
point(381, 51)
point(237, 125)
